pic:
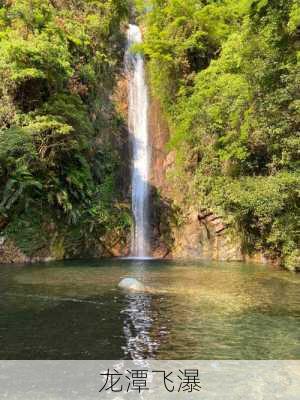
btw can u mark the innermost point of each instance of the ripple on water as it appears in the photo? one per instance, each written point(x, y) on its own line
point(191, 311)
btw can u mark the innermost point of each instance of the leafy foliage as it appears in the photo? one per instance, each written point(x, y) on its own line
point(59, 60)
point(227, 74)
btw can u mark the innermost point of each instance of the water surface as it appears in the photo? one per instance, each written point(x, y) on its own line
point(192, 310)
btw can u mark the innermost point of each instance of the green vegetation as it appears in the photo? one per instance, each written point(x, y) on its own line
point(58, 167)
point(227, 73)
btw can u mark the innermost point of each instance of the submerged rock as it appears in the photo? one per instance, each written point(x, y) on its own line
point(131, 285)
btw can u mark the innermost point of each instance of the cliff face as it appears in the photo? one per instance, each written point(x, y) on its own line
point(176, 231)
point(204, 236)
point(159, 136)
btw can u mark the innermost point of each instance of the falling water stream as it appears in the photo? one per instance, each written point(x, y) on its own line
point(138, 127)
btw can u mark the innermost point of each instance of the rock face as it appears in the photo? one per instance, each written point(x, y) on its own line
point(199, 234)
point(122, 141)
point(159, 137)
point(207, 237)
point(131, 285)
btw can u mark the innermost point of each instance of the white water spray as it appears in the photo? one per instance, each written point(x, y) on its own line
point(138, 127)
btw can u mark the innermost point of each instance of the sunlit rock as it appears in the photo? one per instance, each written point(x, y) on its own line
point(131, 285)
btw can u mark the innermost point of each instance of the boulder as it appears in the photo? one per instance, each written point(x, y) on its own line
point(131, 285)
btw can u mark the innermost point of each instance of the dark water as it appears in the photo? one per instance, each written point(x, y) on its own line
point(74, 310)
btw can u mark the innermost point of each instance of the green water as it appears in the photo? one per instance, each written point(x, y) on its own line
point(74, 310)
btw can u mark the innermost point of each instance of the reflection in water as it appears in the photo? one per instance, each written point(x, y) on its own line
point(191, 310)
point(139, 327)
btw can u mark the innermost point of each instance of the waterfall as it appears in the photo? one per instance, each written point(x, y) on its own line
point(138, 128)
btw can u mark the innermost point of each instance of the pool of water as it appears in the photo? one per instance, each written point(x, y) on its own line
point(191, 310)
